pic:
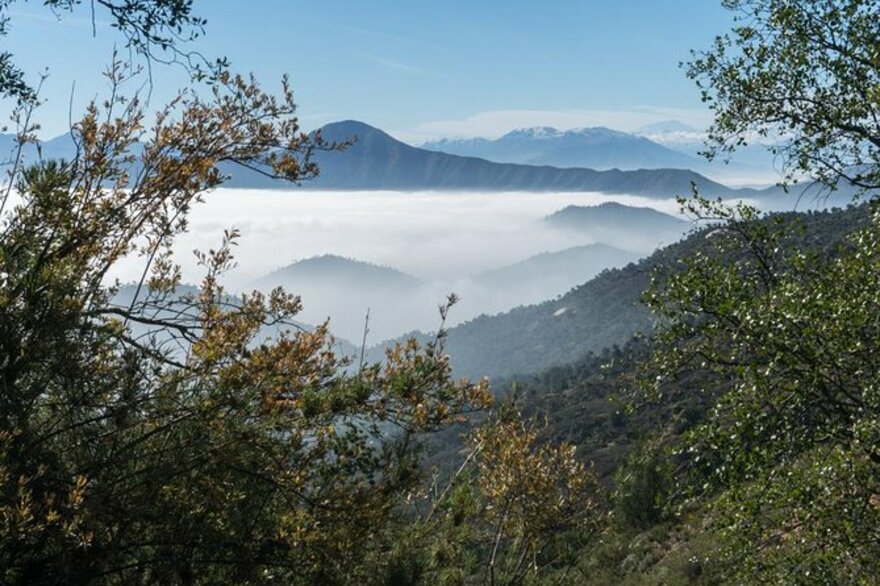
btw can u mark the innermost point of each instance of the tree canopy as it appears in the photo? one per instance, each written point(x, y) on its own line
point(805, 75)
point(182, 435)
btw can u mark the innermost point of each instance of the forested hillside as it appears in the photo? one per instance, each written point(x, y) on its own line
point(601, 313)
point(651, 436)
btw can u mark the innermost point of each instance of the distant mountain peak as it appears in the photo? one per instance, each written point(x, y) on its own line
point(349, 124)
point(597, 131)
point(644, 227)
point(329, 259)
point(334, 265)
point(612, 209)
point(612, 205)
point(548, 132)
point(597, 147)
point(377, 160)
point(538, 132)
point(345, 129)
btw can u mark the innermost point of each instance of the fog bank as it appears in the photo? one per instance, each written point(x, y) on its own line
point(442, 238)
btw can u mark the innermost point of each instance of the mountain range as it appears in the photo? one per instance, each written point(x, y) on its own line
point(593, 148)
point(378, 161)
point(753, 159)
point(341, 272)
point(59, 147)
point(601, 313)
point(344, 289)
point(548, 274)
point(629, 227)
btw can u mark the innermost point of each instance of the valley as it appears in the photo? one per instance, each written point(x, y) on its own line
point(400, 254)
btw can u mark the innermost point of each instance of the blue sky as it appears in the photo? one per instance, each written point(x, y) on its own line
point(419, 69)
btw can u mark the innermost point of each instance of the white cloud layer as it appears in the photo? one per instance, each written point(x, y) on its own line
point(431, 235)
point(443, 238)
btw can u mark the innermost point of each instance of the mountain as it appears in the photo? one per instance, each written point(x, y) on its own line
point(630, 227)
point(750, 160)
point(343, 289)
point(594, 148)
point(378, 161)
point(601, 313)
point(549, 274)
point(338, 271)
point(61, 147)
point(7, 144)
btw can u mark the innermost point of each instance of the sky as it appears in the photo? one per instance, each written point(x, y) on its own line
point(417, 69)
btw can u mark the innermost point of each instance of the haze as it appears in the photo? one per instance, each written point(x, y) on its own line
point(443, 239)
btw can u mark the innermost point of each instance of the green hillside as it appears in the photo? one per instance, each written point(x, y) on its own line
point(600, 313)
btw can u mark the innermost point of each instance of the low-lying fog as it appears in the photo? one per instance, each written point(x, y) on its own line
point(445, 240)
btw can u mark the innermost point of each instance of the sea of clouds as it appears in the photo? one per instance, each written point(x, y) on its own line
point(442, 238)
point(431, 235)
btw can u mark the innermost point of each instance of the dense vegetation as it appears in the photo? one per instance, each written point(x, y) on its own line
point(169, 439)
point(603, 312)
point(739, 442)
point(750, 417)
point(679, 431)
point(201, 439)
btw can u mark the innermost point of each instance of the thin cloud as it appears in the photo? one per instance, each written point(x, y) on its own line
point(394, 65)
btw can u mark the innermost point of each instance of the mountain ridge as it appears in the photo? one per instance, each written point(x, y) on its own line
point(598, 148)
point(335, 266)
point(379, 161)
point(629, 227)
point(600, 313)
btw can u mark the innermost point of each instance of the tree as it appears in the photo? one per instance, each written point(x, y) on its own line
point(168, 439)
point(781, 329)
point(180, 435)
point(154, 29)
point(804, 73)
point(519, 510)
point(787, 461)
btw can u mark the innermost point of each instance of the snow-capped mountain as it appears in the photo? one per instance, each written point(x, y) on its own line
point(594, 148)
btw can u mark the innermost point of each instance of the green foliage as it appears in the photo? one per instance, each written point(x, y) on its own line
point(640, 452)
point(785, 466)
point(805, 73)
point(788, 337)
point(171, 440)
point(198, 449)
point(176, 435)
point(643, 485)
point(517, 511)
